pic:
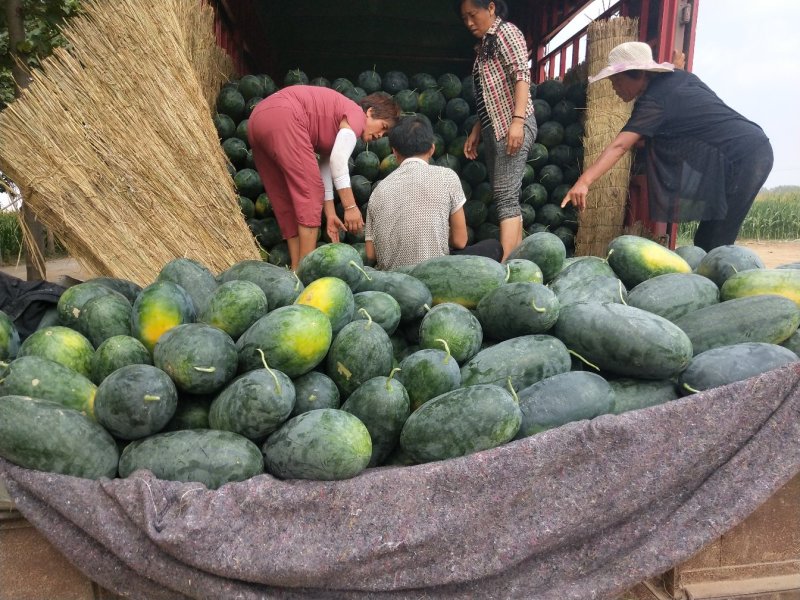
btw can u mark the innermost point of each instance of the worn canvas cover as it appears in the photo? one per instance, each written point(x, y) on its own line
point(583, 511)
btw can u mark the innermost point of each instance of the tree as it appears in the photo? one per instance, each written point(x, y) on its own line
point(30, 31)
point(34, 25)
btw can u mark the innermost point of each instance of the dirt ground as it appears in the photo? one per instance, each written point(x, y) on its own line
point(772, 253)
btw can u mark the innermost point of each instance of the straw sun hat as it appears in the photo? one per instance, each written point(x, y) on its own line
point(631, 56)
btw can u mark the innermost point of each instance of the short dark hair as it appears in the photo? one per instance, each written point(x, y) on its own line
point(500, 6)
point(411, 136)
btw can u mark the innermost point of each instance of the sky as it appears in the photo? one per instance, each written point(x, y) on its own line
point(749, 54)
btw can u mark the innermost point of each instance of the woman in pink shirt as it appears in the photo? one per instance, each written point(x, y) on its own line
point(287, 131)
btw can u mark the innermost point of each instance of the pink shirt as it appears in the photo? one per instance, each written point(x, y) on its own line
point(319, 111)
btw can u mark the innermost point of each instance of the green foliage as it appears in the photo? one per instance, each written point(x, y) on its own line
point(42, 19)
point(10, 237)
point(775, 215)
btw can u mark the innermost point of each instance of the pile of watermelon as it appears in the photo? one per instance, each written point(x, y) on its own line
point(448, 101)
point(322, 373)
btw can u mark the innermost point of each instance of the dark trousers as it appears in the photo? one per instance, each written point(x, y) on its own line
point(488, 248)
point(742, 189)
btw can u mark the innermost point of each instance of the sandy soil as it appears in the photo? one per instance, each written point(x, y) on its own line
point(772, 253)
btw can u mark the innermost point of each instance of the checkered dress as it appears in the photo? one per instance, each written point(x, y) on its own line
point(408, 215)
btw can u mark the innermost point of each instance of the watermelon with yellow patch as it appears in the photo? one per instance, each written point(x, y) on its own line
point(333, 297)
point(636, 259)
point(62, 345)
point(157, 309)
point(754, 282)
point(293, 339)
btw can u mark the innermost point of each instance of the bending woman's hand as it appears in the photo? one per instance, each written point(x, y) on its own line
point(576, 195)
point(333, 226)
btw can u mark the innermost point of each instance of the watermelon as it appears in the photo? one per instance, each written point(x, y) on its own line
point(380, 307)
point(135, 401)
point(312, 391)
point(248, 183)
point(230, 102)
point(551, 91)
point(726, 364)
point(422, 81)
point(105, 316)
point(522, 270)
point(634, 394)
point(62, 345)
point(462, 279)
point(207, 456)
point(563, 398)
point(542, 111)
point(545, 249)
point(456, 325)
point(394, 82)
point(624, 340)
point(236, 151)
point(674, 295)
point(517, 309)
point(766, 318)
point(519, 362)
point(457, 110)
point(332, 260)
point(294, 339)
point(783, 282)
point(234, 306)
point(360, 351)
point(280, 286)
point(382, 404)
point(408, 100)
point(370, 81)
point(367, 164)
point(47, 436)
point(116, 352)
point(324, 444)
point(432, 103)
point(413, 296)
point(461, 422)
point(158, 308)
point(48, 380)
point(254, 404)
point(73, 299)
point(225, 126)
point(538, 155)
point(320, 82)
point(333, 297)
point(722, 262)
point(295, 77)
point(427, 373)
point(636, 259)
point(550, 134)
point(9, 337)
point(199, 358)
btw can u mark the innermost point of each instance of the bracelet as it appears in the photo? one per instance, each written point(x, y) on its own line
point(351, 206)
point(517, 117)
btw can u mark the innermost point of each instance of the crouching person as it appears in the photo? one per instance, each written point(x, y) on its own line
point(417, 211)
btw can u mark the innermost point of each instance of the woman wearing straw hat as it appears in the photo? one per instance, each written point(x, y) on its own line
point(705, 161)
point(286, 132)
point(506, 122)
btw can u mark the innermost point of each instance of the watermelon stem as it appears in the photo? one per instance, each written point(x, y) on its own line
point(595, 367)
point(691, 389)
point(426, 307)
point(610, 252)
point(508, 272)
point(513, 391)
point(264, 362)
point(205, 369)
point(364, 312)
point(296, 285)
point(536, 308)
point(363, 272)
point(389, 379)
point(446, 349)
point(150, 398)
point(620, 293)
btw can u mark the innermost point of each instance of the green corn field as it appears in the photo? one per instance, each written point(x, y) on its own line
point(775, 215)
point(10, 237)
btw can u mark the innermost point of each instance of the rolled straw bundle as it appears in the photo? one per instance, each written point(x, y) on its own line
point(603, 218)
point(114, 147)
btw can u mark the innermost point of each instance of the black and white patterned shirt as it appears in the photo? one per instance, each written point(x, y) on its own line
point(408, 215)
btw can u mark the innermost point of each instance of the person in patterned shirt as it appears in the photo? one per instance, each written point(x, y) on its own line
point(506, 123)
point(417, 211)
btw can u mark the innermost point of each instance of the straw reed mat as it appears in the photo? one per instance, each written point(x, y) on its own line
point(114, 147)
point(603, 218)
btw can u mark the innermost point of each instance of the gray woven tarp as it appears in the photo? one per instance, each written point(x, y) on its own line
point(583, 511)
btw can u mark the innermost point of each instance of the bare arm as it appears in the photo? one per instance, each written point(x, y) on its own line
point(516, 130)
point(369, 248)
point(458, 230)
point(607, 159)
